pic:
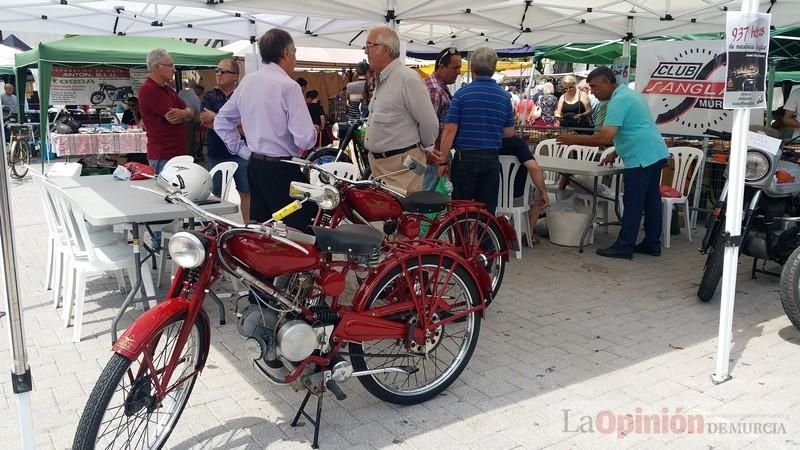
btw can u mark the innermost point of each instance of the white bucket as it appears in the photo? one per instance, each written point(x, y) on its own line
point(566, 226)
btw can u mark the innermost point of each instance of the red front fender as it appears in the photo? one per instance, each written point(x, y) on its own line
point(142, 330)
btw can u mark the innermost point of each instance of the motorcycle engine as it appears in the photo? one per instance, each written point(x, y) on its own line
point(277, 341)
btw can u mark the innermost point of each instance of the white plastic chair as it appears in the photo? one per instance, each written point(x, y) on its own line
point(606, 204)
point(509, 165)
point(182, 159)
point(226, 170)
point(88, 259)
point(344, 170)
point(687, 162)
point(581, 152)
point(549, 147)
point(59, 249)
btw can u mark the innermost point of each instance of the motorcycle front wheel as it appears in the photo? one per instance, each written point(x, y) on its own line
point(712, 271)
point(473, 234)
point(327, 155)
point(790, 288)
point(97, 97)
point(440, 360)
point(122, 410)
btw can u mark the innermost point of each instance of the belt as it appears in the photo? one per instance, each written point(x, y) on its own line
point(487, 152)
point(391, 153)
point(261, 157)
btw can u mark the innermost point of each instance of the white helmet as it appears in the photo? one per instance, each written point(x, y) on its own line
point(193, 180)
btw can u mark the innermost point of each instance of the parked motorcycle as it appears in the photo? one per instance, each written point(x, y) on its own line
point(408, 331)
point(347, 132)
point(465, 224)
point(113, 93)
point(769, 227)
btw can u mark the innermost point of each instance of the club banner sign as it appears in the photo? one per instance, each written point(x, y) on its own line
point(96, 86)
point(747, 44)
point(684, 84)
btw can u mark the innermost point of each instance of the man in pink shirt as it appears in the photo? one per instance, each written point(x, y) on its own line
point(277, 126)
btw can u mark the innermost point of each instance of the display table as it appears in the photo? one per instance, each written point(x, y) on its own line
point(98, 143)
point(589, 168)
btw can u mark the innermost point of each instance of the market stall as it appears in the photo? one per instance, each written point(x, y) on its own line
point(115, 57)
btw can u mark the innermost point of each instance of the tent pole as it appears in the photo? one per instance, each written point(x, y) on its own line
point(45, 75)
point(733, 226)
point(21, 380)
point(770, 92)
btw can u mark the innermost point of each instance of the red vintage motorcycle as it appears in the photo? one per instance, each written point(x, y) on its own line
point(465, 224)
point(408, 330)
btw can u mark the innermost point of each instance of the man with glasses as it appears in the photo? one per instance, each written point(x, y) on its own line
point(163, 112)
point(447, 69)
point(273, 114)
point(402, 121)
point(227, 76)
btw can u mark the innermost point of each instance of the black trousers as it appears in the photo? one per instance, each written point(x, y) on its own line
point(269, 192)
point(476, 176)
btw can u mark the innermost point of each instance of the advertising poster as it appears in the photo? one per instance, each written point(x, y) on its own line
point(684, 84)
point(747, 44)
point(96, 86)
point(622, 68)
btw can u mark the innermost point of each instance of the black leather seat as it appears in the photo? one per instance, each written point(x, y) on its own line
point(350, 239)
point(424, 202)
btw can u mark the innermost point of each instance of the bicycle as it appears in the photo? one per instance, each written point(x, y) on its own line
point(20, 150)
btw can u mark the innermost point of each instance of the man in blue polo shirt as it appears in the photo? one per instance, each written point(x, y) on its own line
point(480, 116)
point(630, 126)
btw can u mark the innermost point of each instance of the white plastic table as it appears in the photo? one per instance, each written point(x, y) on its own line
point(106, 201)
point(568, 167)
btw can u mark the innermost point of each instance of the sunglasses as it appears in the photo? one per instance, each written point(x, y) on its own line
point(448, 51)
point(221, 71)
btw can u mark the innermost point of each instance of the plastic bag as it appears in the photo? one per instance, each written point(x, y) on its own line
point(442, 188)
point(140, 171)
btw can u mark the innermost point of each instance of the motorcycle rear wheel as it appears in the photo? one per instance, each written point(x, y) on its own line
point(790, 288)
point(121, 411)
point(712, 272)
point(451, 346)
point(493, 245)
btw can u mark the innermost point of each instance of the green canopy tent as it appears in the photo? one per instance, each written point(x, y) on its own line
point(83, 51)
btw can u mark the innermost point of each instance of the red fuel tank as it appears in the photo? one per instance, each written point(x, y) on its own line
point(374, 205)
point(268, 257)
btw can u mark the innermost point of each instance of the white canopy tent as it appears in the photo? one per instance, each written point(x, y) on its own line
point(7, 56)
point(422, 24)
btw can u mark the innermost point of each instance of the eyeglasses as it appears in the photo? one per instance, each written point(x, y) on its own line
point(447, 51)
point(221, 71)
point(370, 45)
point(170, 65)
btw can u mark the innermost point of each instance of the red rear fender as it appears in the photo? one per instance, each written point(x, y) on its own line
point(142, 330)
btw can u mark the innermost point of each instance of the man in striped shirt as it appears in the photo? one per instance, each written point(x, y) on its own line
point(448, 67)
point(480, 116)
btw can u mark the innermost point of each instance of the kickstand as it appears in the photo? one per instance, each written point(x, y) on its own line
point(302, 412)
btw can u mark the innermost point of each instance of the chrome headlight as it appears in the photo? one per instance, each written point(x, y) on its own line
point(758, 166)
point(187, 250)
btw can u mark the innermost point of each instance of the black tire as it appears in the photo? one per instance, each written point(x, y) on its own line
point(327, 155)
point(496, 261)
point(118, 374)
point(362, 162)
point(790, 288)
point(97, 97)
point(390, 387)
point(19, 158)
point(712, 272)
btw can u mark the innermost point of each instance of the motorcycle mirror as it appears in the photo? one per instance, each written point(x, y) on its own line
point(414, 165)
point(327, 197)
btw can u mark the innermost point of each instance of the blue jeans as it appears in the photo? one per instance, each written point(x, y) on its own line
point(642, 195)
point(157, 164)
point(475, 175)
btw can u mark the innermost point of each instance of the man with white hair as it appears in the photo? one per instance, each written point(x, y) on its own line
point(480, 116)
point(402, 121)
point(163, 112)
point(8, 99)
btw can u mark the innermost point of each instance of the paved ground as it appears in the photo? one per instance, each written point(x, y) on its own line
point(575, 349)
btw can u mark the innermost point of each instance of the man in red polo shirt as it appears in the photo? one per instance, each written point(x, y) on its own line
point(163, 112)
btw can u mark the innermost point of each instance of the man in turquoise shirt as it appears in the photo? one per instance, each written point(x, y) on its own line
point(630, 126)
